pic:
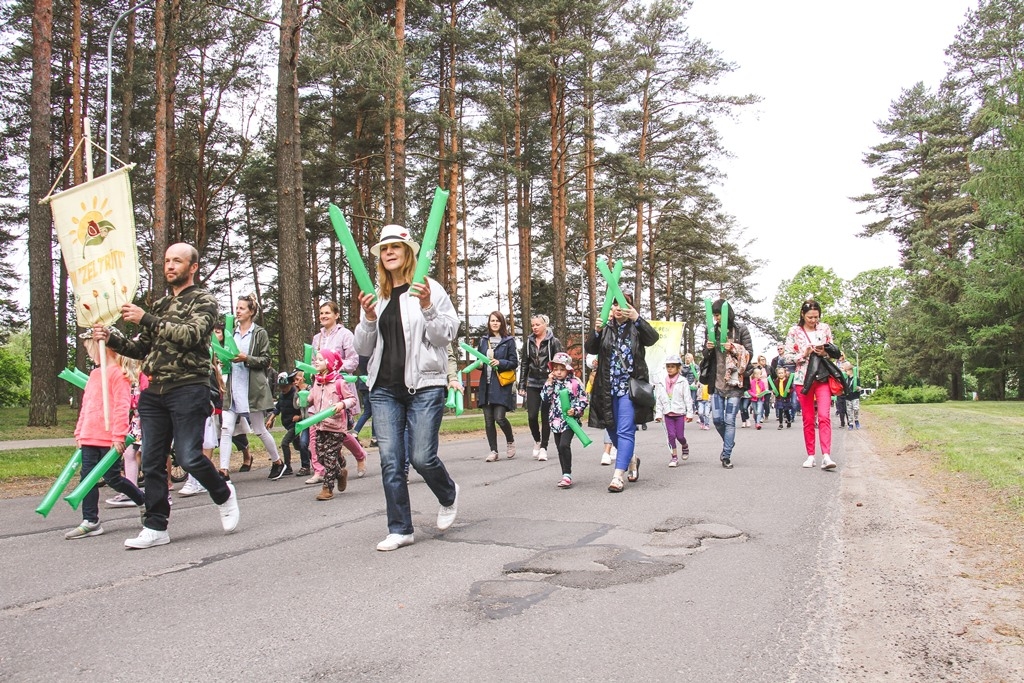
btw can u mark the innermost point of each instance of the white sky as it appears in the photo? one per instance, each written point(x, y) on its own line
point(826, 71)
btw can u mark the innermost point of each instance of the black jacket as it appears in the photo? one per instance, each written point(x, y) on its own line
point(820, 369)
point(739, 334)
point(641, 335)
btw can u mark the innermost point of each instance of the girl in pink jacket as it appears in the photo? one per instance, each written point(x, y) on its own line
point(329, 389)
point(93, 437)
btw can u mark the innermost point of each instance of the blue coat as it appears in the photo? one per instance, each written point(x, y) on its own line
point(490, 390)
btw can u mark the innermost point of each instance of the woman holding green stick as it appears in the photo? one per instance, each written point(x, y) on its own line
point(407, 329)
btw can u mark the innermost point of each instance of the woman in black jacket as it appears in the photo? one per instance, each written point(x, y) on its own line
point(492, 396)
point(538, 351)
point(621, 348)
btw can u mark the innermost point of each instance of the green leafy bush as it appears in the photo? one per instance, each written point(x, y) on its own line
point(926, 394)
point(14, 372)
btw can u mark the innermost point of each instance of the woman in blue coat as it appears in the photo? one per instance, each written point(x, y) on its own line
point(492, 396)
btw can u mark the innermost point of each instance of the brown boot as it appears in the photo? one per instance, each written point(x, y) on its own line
point(342, 479)
point(325, 494)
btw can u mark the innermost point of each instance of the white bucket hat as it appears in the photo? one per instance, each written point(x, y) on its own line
point(394, 233)
point(673, 359)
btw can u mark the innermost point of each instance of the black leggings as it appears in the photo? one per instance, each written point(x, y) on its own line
point(541, 432)
point(563, 442)
point(495, 413)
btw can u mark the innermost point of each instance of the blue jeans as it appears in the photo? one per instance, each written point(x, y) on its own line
point(420, 413)
point(723, 415)
point(91, 456)
point(624, 435)
point(178, 415)
point(364, 401)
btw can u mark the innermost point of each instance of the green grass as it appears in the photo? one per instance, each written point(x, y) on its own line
point(33, 463)
point(469, 422)
point(982, 439)
point(13, 421)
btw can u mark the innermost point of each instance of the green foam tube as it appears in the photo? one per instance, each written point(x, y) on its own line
point(71, 378)
point(303, 398)
point(65, 476)
point(89, 481)
point(314, 419)
point(723, 328)
point(470, 368)
point(352, 379)
point(709, 321)
point(307, 353)
point(450, 402)
point(305, 367)
point(229, 335)
point(563, 400)
point(460, 403)
point(482, 358)
point(224, 354)
point(606, 309)
point(348, 246)
point(80, 373)
point(434, 221)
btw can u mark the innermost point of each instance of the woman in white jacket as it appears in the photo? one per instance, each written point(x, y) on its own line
point(406, 331)
point(674, 406)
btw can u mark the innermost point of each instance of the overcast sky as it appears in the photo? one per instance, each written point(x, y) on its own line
point(826, 72)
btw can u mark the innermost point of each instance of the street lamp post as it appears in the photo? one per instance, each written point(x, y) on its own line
point(110, 67)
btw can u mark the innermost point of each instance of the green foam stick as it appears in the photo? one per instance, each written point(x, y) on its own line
point(772, 387)
point(450, 402)
point(563, 400)
point(352, 379)
point(351, 251)
point(470, 368)
point(434, 221)
point(224, 354)
point(71, 378)
point(83, 375)
point(95, 474)
point(65, 476)
point(482, 357)
point(307, 353)
point(303, 398)
point(229, 335)
point(305, 367)
point(314, 419)
point(613, 283)
point(709, 321)
point(460, 403)
point(723, 327)
point(606, 309)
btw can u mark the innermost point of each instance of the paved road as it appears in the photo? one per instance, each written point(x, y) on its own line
point(691, 574)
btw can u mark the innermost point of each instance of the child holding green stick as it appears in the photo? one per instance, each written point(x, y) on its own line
point(329, 389)
point(95, 439)
point(561, 377)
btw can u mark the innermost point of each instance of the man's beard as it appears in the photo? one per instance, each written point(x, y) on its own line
point(182, 279)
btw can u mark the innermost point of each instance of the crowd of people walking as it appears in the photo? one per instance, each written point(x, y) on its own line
point(170, 390)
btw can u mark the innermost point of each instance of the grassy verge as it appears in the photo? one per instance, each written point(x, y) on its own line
point(13, 421)
point(980, 439)
point(31, 463)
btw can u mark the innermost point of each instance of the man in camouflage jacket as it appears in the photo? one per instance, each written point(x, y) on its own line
point(174, 345)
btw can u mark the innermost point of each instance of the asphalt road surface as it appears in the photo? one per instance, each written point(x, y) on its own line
point(691, 574)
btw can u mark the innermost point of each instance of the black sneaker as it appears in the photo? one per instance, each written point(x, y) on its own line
point(727, 463)
point(287, 471)
point(373, 443)
point(303, 472)
point(780, 425)
point(276, 470)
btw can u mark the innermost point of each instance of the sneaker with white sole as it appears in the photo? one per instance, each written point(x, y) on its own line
point(229, 510)
point(120, 501)
point(674, 462)
point(394, 542)
point(809, 462)
point(315, 479)
point(827, 463)
point(542, 454)
point(84, 530)
point(606, 458)
point(565, 482)
point(192, 487)
point(446, 515)
point(148, 538)
point(536, 451)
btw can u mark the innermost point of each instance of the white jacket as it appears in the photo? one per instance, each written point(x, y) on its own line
point(679, 402)
point(428, 336)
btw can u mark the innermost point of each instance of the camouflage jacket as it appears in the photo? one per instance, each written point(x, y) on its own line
point(174, 340)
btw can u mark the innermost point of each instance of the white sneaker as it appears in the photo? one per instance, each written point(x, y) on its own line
point(826, 463)
point(191, 487)
point(606, 458)
point(120, 501)
point(809, 462)
point(229, 510)
point(542, 454)
point(536, 451)
point(315, 479)
point(148, 538)
point(83, 530)
point(446, 515)
point(394, 542)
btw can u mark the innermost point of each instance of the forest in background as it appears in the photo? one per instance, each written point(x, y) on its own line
point(564, 131)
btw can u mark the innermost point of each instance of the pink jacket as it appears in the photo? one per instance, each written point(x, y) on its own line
point(323, 396)
point(90, 430)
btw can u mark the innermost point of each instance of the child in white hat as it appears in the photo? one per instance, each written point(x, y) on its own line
point(674, 407)
point(561, 377)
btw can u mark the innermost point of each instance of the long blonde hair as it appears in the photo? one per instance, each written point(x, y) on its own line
point(406, 272)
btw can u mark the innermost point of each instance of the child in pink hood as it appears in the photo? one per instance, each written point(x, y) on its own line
point(330, 389)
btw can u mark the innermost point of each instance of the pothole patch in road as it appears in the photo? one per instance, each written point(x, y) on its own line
point(690, 534)
point(500, 599)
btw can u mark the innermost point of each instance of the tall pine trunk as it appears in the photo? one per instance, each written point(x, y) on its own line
point(161, 155)
point(42, 411)
point(398, 144)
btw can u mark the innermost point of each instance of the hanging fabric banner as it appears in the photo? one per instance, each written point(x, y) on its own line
point(95, 225)
point(670, 339)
